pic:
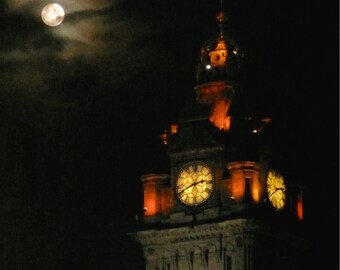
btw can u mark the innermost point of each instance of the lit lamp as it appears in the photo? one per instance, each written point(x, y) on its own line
point(166, 135)
point(173, 129)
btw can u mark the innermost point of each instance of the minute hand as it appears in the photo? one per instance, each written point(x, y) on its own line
point(193, 184)
point(277, 189)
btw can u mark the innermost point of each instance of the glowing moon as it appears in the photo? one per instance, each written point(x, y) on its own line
point(52, 14)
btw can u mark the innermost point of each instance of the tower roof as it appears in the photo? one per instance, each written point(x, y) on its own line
point(219, 57)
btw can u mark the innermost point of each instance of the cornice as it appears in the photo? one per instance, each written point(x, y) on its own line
point(197, 232)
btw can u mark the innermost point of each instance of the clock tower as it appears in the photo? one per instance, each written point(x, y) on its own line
point(226, 203)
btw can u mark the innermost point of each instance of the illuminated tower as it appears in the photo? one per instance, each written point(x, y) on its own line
point(226, 203)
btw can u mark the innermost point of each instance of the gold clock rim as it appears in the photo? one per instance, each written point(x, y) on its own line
point(187, 165)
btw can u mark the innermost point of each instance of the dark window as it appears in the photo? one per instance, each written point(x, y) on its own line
point(229, 262)
point(206, 255)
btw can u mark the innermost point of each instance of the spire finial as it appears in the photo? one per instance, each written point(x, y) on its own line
point(221, 16)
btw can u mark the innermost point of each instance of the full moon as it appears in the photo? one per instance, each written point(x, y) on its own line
point(52, 14)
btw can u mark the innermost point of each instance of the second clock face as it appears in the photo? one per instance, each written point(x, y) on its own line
point(194, 184)
point(276, 189)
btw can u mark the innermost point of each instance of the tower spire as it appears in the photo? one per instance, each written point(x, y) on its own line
point(216, 73)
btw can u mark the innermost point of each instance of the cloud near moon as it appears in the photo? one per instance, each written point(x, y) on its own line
point(94, 34)
point(90, 27)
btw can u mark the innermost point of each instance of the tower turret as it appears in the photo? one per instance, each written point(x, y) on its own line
point(216, 73)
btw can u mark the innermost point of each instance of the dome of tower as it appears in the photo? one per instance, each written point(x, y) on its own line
point(219, 58)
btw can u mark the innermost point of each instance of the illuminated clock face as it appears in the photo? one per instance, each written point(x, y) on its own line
point(194, 184)
point(218, 58)
point(276, 190)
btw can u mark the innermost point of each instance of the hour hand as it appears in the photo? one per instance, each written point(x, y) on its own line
point(276, 189)
point(184, 189)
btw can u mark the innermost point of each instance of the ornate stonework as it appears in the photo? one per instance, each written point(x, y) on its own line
point(205, 246)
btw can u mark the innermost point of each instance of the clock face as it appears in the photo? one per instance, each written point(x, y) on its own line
point(276, 189)
point(194, 183)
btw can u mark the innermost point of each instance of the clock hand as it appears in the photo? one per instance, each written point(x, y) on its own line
point(193, 184)
point(276, 189)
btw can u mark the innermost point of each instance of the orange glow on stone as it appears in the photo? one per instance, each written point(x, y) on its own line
point(218, 95)
point(242, 174)
point(299, 207)
point(173, 129)
point(219, 115)
point(156, 197)
point(211, 92)
point(256, 188)
point(150, 201)
point(237, 185)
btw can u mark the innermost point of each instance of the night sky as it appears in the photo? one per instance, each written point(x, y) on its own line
point(82, 106)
